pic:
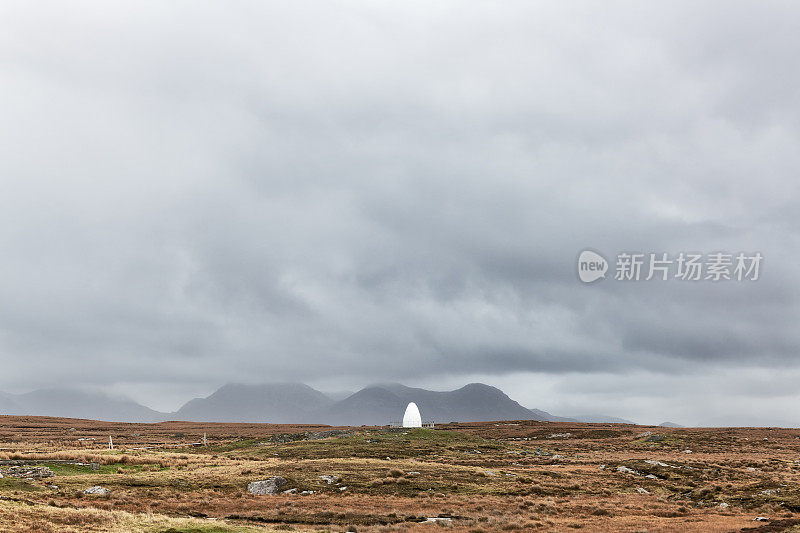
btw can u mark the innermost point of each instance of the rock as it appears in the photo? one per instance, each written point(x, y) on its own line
point(651, 476)
point(640, 490)
point(659, 463)
point(98, 490)
point(761, 519)
point(654, 438)
point(490, 473)
point(626, 470)
point(412, 474)
point(266, 486)
point(723, 505)
point(290, 491)
point(330, 478)
point(687, 451)
point(343, 488)
point(29, 471)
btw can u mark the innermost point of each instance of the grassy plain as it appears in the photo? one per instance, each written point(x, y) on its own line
point(477, 477)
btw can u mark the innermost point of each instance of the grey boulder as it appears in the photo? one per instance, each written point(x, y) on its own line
point(266, 486)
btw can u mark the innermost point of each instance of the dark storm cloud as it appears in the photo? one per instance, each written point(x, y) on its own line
point(200, 193)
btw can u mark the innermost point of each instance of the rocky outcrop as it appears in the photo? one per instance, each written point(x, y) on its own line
point(28, 471)
point(266, 486)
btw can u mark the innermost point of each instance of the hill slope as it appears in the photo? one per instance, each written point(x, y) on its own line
point(72, 403)
point(382, 404)
point(274, 402)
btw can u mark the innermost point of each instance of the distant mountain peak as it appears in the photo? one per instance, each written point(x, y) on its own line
point(286, 402)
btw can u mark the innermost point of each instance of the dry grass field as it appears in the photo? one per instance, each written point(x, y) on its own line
point(477, 477)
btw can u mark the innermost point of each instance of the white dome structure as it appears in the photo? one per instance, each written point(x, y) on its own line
point(412, 418)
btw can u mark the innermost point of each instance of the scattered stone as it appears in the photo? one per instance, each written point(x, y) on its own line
point(626, 470)
point(560, 435)
point(687, 451)
point(490, 472)
point(770, 491)
point(640, 490)
point(761, 519)
point(651, 476)
point(343, 488)
point(412, 474)
point(54, 487)
point(29, 471)
point(659, 463)
point(330, 478)
point(97, 490)
point(435, 519)
point(290, 491)
point(266, 486)
point(723, 505)
point(306, 492)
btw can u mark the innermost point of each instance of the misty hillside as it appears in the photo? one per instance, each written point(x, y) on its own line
point(9, 406)
point(282, 403)
point(382, 404)
point(71, 403)
point(601, 419)
point(288, 403)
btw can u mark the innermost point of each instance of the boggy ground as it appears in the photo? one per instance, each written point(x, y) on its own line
point(493, 476)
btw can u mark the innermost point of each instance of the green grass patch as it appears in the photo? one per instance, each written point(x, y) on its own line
point(61, 469)
point(10, 483)
point(413, 443)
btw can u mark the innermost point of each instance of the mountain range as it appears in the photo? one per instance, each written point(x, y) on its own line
point(292, 403)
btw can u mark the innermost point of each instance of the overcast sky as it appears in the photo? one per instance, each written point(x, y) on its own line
point(343, 193)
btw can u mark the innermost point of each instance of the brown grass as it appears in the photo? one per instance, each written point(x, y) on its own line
point(520, 476)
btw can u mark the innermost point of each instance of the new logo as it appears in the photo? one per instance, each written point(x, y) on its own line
point(591, 266)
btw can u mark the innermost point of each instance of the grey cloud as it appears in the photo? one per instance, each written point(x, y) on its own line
point(196, 195)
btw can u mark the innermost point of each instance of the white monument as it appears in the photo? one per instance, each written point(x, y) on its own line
point(412, 418)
